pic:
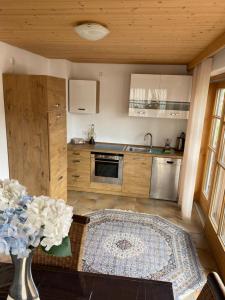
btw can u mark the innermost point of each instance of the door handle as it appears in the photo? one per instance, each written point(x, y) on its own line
point(76, 161)
point(76, 153)
point(170, 162)
point(56, 105)
point(75, 176)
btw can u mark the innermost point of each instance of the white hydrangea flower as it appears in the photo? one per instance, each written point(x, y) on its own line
point(54, 216)
point(11, 192)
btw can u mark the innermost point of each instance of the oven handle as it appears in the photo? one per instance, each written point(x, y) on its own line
point(108, 161)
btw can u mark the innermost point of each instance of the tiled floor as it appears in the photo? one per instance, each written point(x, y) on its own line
point(84, 203)
point(88, 202)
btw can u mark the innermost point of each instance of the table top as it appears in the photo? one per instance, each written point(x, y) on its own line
point(58, 284)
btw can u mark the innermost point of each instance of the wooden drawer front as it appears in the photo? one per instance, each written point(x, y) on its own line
point(79, 160)
point(136, 175)
point(56, 94)
point(79, 178)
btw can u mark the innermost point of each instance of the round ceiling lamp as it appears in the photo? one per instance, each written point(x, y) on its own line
point(91, 31)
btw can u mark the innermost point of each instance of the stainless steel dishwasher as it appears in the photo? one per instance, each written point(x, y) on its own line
point(165, 178)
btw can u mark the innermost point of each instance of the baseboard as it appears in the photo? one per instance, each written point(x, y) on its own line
point(200, 213)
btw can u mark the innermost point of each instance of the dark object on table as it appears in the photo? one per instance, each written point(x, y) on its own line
point(92, 141)
point(180, 142)
point(77, 236)
point(58, 284)
point(214, 288)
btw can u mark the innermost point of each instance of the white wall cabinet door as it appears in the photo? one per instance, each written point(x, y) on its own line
point(176, 87)
point(83, 96)
point(144, 87)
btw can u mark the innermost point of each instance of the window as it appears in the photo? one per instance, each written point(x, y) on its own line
point(212, 150)
point(208, 174)
point(217, 196)
point(214, 133)
point(222, 149)
point(214, 183)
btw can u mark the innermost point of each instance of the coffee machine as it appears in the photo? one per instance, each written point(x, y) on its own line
point(180, 142)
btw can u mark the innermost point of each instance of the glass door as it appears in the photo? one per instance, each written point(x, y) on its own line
point(214, 180)
point(216, 121)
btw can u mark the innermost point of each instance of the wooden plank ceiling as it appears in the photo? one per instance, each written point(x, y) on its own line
point(142, 31)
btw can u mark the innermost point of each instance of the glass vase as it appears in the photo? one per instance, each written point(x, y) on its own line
point(23, 287)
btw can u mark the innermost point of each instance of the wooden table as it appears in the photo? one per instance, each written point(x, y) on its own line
point(59, 284)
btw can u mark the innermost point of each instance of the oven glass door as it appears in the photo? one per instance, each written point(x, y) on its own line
point(107, 168)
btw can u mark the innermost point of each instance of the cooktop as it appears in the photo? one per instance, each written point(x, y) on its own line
point(109, 147)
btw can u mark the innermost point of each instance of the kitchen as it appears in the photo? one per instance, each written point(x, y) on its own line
point(128, 128)
point(126, 170)
point(139, 155)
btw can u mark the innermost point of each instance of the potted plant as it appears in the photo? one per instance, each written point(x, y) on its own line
point(28, 222)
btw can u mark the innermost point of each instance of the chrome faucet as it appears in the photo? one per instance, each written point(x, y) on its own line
point(150, 139)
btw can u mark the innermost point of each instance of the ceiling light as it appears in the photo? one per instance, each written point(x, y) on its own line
point(91, 31)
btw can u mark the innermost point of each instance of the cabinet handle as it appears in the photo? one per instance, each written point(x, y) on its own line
point(75, 153)
point(76, 161)
point(56, 105)
point(75, 176)
point(60, 178)
point(58, 116)
point(81, 108)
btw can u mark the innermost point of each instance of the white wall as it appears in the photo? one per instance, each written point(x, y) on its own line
point(112, 123)
point(218, 66)
point(23, 62)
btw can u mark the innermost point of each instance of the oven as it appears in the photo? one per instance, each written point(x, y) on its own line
point(106, 168)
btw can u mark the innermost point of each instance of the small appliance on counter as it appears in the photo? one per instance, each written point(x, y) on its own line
point(167, 147)
point(91, 135)
point(180, 142)
point(76, 141)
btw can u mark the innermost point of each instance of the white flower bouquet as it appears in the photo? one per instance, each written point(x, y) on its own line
point(27, 222)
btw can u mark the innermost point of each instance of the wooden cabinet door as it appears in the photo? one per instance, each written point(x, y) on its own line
point(56, 94)
point(57, 154)
point(79, 164)
point(27, 132)
point(136, 175)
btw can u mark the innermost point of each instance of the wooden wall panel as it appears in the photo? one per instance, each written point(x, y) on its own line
point(166, 31)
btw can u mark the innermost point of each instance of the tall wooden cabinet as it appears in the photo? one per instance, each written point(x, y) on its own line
point(35, 111)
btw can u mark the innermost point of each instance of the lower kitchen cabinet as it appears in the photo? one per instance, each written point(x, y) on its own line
point(79, 165)
point(136, 175)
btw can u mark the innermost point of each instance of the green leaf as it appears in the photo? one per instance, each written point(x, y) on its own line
point(62, 250)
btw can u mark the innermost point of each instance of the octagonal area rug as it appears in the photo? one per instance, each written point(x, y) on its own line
point(143, 246)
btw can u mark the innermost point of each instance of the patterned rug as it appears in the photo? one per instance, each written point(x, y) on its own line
point(142, 246)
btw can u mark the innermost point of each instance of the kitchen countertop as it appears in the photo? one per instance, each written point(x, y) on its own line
point(88, 147)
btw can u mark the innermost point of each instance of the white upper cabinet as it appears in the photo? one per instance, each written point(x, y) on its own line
point(176, 87)
point(83, 96)
point(160, 96)
point(144, 87)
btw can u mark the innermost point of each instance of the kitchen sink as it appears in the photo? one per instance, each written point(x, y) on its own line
point(156, 151)
point(136, 149)
point(144, 149)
